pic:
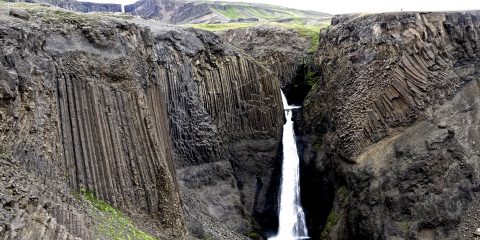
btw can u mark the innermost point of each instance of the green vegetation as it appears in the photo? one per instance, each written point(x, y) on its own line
point(341, 197)
point(254, 235)
point(405, 225)
point(229, 12)
point(222, 26)
point(311, 78)
point(342, 192)
point(309, 31)
point(113, 224)
point(208, 237)
point(261, 11)
point(332, 220)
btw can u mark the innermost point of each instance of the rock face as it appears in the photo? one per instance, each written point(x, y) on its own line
point(79, 107)
point(392, 127)
point(225, 121)
point(149, 119)
point(284, 51)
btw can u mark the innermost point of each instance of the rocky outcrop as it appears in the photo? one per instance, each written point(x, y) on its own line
point(392, 126)
point(78, 6)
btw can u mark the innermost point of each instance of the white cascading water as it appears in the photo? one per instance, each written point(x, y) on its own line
point(291, 218)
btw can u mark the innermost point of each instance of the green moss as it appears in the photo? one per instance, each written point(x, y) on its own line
point(332, 220)
point(311, 78)
point(342, 192)
point(405, 225)
point(112, 223)
point(208, 237)
point(254, 235)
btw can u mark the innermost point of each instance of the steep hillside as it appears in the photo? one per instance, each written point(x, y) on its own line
point(178, 12)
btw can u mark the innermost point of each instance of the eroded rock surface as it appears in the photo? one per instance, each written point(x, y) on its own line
point(394, 120)
point(285, 51)
point(139, 115)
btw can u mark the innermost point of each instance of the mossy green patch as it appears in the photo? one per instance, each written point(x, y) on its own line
point(254, 235)
point(332, 220)
point(208, 237)
point(112, 223)
point(405, 226)
point(311, 77)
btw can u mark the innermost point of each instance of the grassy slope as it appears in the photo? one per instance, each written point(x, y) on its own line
point(112, 223)
point(267, 15)
point(262, 11)
point(309, 31)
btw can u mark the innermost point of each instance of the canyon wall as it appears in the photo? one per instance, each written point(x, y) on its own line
point(169, 125)
point(391, 128)
point(284, 51)
point(82, 106)
point(225, 120)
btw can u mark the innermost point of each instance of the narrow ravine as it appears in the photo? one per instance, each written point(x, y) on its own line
point(291, 218)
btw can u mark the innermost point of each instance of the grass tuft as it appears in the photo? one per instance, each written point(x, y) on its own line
point(113, 224)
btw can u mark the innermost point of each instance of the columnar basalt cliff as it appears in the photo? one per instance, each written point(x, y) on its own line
point(108, 109)
point(82, 105)
point(284, 51)
point(225, 122)
point(391, 128)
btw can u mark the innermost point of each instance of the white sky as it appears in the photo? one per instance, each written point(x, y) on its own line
point(350, 6)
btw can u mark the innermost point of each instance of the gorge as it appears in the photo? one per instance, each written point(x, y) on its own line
point(117, 127)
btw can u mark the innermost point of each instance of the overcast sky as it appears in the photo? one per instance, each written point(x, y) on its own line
point(349, 6)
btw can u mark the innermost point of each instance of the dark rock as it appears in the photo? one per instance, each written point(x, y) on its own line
point(369, 127)
point(145, 118)
point(284, 51)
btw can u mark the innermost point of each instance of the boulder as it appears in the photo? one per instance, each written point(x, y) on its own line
point(19, 13)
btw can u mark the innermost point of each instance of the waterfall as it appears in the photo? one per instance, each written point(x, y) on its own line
point(291, 218)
